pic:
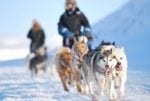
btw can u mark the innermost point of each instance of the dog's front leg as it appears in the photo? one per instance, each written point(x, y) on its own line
point(101, 82)
point(78, 80)
point(63, 79)
point(71, 77)
point(122, 85)
point(93, 91)
point(91, 86)
point(112, 94)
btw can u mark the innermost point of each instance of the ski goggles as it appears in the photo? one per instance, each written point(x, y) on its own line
point(71, 3)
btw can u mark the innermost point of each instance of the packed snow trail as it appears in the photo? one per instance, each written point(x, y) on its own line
point(16, 84)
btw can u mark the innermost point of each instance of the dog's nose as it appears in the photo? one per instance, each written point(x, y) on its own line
point(107, 66)
point(119, 63)
point(107, 51)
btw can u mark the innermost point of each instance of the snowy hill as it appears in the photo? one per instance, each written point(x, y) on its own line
point(13, 63)
point(129, 27)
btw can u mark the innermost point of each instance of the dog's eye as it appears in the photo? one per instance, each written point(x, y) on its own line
point(121, 58)
point(77, 49)
point(110, 60)
point(104, 60)
point(114, 57)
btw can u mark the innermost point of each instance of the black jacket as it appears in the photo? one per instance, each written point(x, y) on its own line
point(37, 38)
point(73, 22)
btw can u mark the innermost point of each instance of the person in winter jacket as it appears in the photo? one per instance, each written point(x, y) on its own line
point(37, 37)
point(73, 23)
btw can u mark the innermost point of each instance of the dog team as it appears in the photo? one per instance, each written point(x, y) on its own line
point(94, 72)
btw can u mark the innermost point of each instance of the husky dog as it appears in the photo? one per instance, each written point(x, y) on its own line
point(63, 62)
point(93, 64)
point(37, 64)
point(117, 69)
point(109, 78)
point(120, 71)
point(79, 49)
point(105, 47)
point(109, 63)
point(96, 71)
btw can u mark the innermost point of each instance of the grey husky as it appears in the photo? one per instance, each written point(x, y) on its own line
point(95, 69)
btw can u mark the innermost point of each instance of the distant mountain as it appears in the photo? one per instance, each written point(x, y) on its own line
point(23, 62)
point(13, 63)
point(129, 27)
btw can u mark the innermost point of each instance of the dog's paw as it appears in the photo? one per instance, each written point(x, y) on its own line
point(94, 98)
point(122, 94)
point(102, 94)
point(71, 83)
point(112, 100)
point(79, 88)
point(66, 89)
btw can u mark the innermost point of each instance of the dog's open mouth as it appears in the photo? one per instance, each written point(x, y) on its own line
point(118, 68)
point(80, 57)
point(108, 70)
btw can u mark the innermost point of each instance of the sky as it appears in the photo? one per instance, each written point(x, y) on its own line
point(16, 18)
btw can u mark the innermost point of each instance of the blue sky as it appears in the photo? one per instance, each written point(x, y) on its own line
point(17, 15)
point(16, 18)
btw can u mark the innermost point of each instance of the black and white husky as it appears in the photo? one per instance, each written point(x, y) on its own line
point(95, 68)
point(37, 64)
point(117, 64)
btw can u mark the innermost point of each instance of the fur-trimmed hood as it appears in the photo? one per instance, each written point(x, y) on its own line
point(77, 11)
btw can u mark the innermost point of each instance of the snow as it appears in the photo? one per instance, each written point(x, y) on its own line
point(129, 27)
point(16, 84)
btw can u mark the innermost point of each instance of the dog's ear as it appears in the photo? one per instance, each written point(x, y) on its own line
point(122, 48)
point(102, 42)
point(75, 41)
point(114, 43)
point(83, 41)
point(110, 51)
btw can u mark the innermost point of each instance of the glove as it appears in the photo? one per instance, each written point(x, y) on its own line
point(65, 32)
point(87, 33)
point(68, 34)
point(89, 36)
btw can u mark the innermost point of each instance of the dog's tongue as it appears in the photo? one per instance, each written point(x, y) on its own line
point(108, 71)
point(119, 68)
point(69, 65)
point(81, 57)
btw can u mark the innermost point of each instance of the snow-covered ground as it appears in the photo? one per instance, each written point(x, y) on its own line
point(128, 26)
point(16, 84)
